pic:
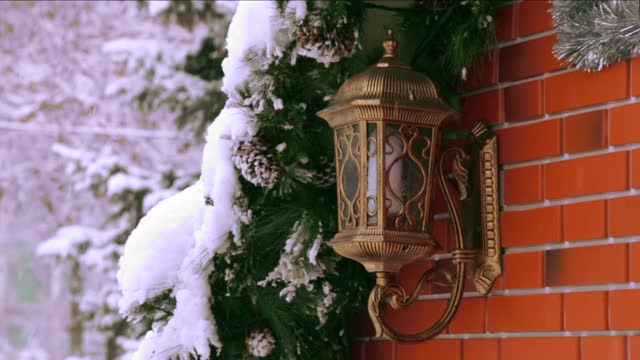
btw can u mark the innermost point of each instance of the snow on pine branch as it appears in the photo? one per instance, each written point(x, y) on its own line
point(157, 247)
point(172, 247)
point(192, 328)
point(295, 269)
point(69, 239)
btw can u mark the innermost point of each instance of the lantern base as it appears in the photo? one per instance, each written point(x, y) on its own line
point(383, 250)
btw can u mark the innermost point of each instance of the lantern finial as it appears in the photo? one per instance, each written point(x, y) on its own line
point(390, 45)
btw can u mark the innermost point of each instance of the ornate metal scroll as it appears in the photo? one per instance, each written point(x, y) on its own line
point(481, 265)
point(488, 266)
point(404, 149)
point(461, 258)
point(348, 158)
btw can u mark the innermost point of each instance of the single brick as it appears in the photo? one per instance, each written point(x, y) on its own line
point(635, 79)
point(529, 227)
point(379, 350)
point(470, 317)
point(635, 168)
point(528, 58)
point(528, 142)
point(449, 349)
point(547, 348)
point(604, 347)
point(484, 72)
point(523, 101)
point(586, 175)
point(534, 17)
point(566, 267)
point(634, 347)
point(523, 184)
point(584, 132)
point(585, 220)
point(505, 23)
point(578, 88)
point(480, 349)
point(634, 266)
point(524, 270)
point(524, 313)
point(415, 317)
point(625, 127)
point(623, 310)
point(486, 106)
point(623, 216)
point(585, 310)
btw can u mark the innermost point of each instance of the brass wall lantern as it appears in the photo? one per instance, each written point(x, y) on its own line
point(388, 123)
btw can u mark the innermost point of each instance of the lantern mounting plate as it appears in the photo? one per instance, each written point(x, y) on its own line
point(488, 265)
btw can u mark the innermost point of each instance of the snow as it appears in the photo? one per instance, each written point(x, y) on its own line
point(156, 248)
point(65, 80)
point(255, 27)
point(121, 182)
point(293, 269)
point(152, 199)
point(192, 327)
point(65, 241)
point(232, 125)
point(172, 246)
point(174, 243)
point(261, 343)
point(158, 6)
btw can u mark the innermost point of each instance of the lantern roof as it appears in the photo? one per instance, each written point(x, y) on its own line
point(389, 82)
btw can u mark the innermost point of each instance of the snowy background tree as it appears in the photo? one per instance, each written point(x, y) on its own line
point(102, 109)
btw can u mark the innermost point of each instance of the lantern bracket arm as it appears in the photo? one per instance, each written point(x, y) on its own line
point(461, 258)
point(482, 264)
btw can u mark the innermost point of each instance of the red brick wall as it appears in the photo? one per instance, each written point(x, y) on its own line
point(569, 145)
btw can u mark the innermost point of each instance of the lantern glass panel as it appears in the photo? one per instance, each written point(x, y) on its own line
point(372, 174)
point(407, 157)
point(348, 160)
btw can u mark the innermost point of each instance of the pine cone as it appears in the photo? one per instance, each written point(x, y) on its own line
point(260, 343)
point(325, 42)
point(256, 162)
point(326, 176)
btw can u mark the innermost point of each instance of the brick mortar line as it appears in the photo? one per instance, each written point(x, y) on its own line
point(552, 246)
point(572, 244)
point(508, 83)
point(570, 200)
point(540, 291)
point(570, 112)
point(520, 334)
point(563, 157)
point(522, 39)
point(548, 247)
